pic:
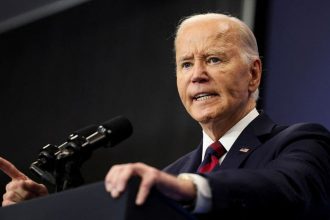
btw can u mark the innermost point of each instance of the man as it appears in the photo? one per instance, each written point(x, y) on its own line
point(259, 165)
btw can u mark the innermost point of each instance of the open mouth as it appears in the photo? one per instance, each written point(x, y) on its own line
point(203, 96)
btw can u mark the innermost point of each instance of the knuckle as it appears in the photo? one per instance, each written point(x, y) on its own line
point(11, 185)
point(5, 196)
point(114, 167)
point(154, 174)
point(10, 195)
point(139, 164)
point(42, 187)
point(28, 182)
point(19, 184)
point(118, 167)
point(6, 203)
point(107, 177)
point(8, 186)
point(129, 166)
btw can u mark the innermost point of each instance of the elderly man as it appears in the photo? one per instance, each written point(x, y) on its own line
point(246, 163)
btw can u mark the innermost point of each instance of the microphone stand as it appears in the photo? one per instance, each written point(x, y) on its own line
point(60, 165)
point(68, 175)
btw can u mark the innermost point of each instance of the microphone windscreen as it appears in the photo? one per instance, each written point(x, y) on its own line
point(119, 128)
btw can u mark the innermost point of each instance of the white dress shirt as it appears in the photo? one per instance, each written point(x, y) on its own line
point(204, 196)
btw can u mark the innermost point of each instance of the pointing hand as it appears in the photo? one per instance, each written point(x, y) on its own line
point(20, 187)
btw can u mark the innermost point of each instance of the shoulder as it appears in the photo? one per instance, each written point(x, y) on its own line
point(306, 141)
point(305, 131)
point(264, 128)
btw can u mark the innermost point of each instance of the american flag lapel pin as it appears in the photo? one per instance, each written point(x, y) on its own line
point(244, 149)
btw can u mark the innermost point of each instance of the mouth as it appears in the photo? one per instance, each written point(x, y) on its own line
point(204, 96)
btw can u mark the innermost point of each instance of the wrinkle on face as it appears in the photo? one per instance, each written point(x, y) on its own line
point(228, 79)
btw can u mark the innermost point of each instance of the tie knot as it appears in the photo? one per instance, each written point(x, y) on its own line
point(216, 149)
point(212, 156)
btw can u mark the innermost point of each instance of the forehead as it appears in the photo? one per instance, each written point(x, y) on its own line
point(206, 33)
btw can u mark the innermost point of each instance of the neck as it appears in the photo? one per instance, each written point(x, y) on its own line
point(215, 129)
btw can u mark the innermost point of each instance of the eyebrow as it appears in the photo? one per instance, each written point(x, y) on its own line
point(216, 51)
point(211, 52)
point(185, 57)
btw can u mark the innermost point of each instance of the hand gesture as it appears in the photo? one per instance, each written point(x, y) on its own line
point(20, 187)
point(177, 189)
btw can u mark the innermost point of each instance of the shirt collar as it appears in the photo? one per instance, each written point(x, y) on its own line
point(228, 139)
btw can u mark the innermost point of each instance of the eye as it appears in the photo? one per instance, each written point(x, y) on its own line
point(186, 65)
point(213, 60)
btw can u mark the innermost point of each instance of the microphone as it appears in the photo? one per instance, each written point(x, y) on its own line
point(53, 160)
point(108, 134)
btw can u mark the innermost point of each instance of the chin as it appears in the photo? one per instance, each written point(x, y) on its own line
point(204, 118)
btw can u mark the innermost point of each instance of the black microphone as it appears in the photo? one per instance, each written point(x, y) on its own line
point(108, 134)
point(53, 160)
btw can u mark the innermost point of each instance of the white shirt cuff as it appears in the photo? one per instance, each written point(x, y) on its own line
point(204, 196)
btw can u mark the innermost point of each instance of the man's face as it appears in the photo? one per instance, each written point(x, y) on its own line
point(213, 77)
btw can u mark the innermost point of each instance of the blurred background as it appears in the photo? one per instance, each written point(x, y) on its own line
point(65, 64)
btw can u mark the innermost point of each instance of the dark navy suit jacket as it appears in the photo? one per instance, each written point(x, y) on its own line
point(271, 172)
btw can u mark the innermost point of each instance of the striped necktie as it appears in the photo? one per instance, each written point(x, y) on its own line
point(212, 156)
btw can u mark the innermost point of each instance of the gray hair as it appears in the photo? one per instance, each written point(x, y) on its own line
point(246, 37)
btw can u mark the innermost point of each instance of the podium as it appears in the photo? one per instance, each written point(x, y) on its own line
point(92, 202)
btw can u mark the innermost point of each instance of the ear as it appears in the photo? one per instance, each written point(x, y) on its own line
point(255, 72)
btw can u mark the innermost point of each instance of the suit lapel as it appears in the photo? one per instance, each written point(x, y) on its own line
point(250, 139)
point(194, 160)
point(259, 130)
point(186, 164)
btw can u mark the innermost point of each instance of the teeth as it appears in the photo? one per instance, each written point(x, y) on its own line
point(203, 97)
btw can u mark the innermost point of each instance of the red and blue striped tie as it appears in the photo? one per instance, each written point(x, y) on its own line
point(212, 156)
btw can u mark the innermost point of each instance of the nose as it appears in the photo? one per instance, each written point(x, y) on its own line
point(200, 74)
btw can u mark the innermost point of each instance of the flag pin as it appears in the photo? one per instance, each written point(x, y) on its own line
point(244, 149)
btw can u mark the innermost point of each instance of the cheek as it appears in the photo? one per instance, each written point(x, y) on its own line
point(181, 88)
point(236, 92)
point(237, 87)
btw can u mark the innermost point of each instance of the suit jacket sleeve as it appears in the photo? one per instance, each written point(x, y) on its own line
point(287, 175)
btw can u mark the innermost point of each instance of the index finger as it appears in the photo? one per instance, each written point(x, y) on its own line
point(9, 169)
